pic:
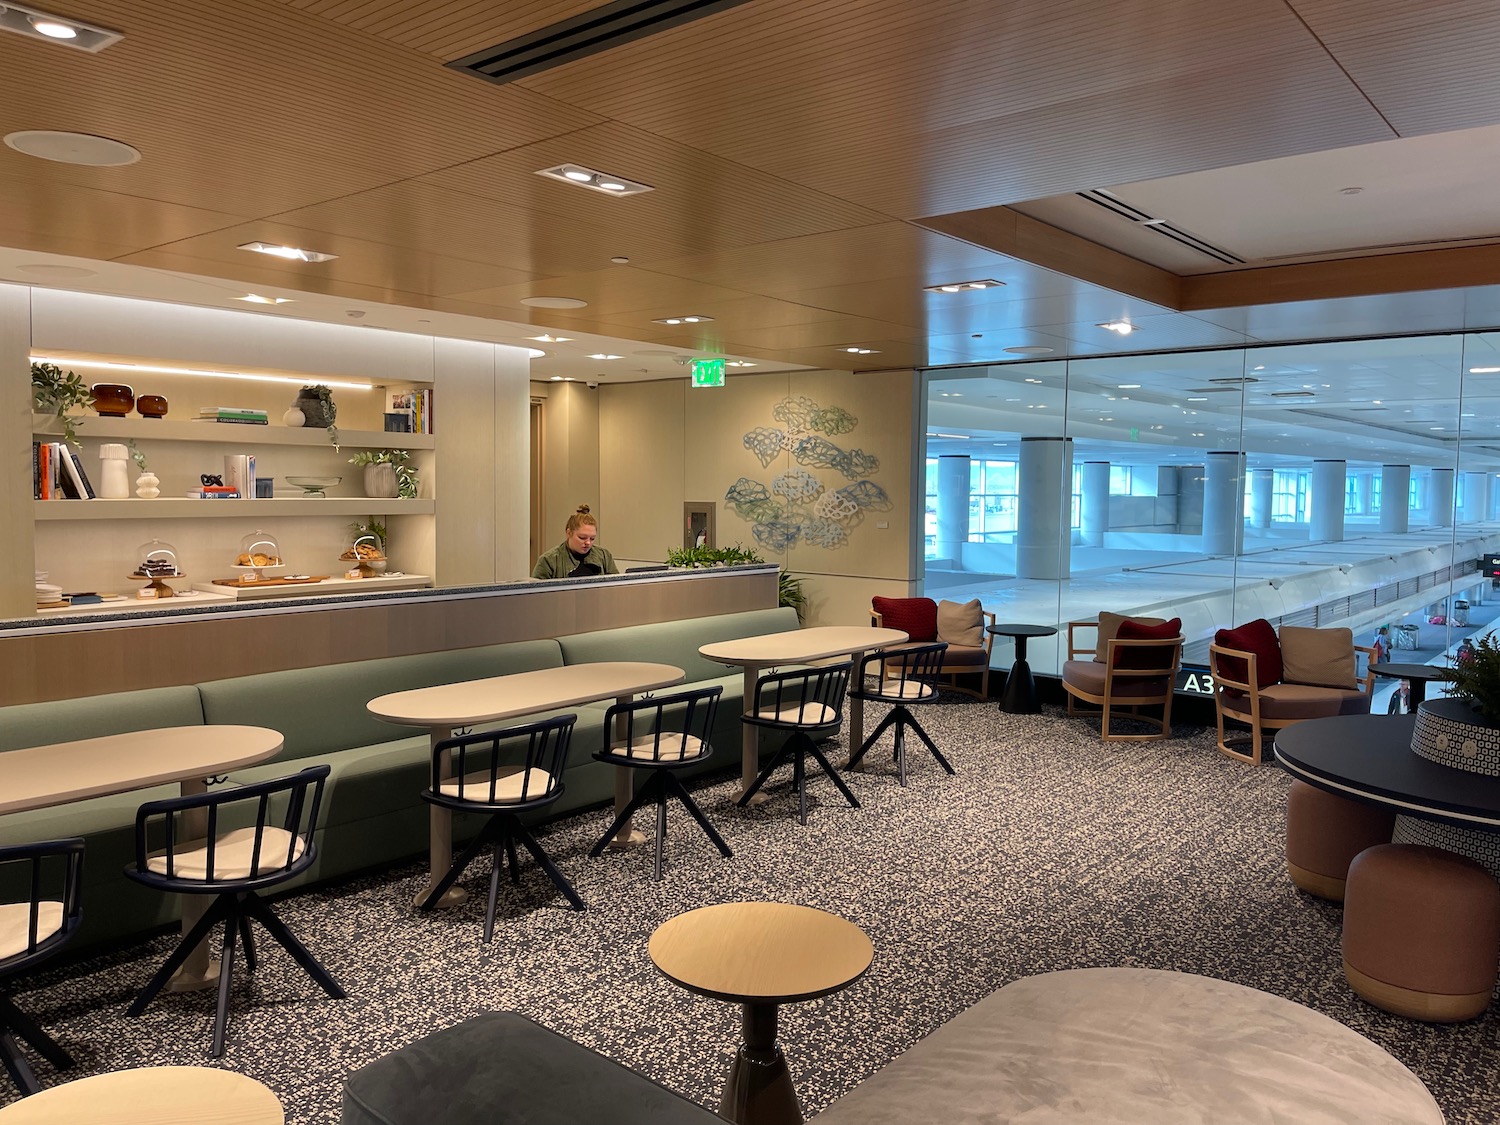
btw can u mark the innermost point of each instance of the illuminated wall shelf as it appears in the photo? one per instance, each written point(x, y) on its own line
point(226, 433)
point(185, 507)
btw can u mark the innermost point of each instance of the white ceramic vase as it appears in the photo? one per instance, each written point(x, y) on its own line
point(147, 486)
point(293, 417)
point(380, 481)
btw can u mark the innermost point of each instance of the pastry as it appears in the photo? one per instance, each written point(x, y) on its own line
point(363, 552)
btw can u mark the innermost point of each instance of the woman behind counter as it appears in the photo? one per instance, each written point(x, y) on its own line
point(577, 556)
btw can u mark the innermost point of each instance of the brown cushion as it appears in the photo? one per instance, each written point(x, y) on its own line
point(1288, 701)
point(916, 617)
point(1257, 637)
point(1088, 676)
point(1109, 628)
point(1145, 656)
point(964, 656)
point(961, 623)
point(1317, 656)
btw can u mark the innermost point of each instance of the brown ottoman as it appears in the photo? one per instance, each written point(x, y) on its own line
point(1421, 932)
point(1324, 832)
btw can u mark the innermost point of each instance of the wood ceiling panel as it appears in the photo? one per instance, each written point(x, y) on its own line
point(865, 98)
point(832, 334)
point(618, 289)
point(1427, 67)
point(730, 317)
point(308, 99)
point(446, 28)
point(700, 202)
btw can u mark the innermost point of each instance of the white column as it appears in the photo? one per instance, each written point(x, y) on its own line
point(953, 507)
point(1325, 523)
point(1261, 481)
point(1476, 496)
point(1440, 498)
point(1395, 484)
point(1093, 519)
point(1224, 503)
point(1044, 533)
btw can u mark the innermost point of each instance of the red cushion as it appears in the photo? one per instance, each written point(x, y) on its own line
point(1260, 638)
point(916, 617)
point(1131, 657)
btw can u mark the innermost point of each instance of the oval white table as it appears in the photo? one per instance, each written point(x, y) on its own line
point(796, 646)
point(152, 1095)
point(499, 698)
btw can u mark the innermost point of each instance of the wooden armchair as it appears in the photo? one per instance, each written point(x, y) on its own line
point(918, 618)
point(1265, 680)
point(1136, 668)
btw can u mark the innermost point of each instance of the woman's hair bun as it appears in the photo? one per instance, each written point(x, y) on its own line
point(583, 509)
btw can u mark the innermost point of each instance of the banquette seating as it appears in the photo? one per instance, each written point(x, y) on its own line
point(1131, 664)
point(1267, 680)
point(960, 625)
point(372, 814)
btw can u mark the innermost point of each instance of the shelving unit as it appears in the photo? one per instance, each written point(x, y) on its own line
point(184, 508)
point(225, 433)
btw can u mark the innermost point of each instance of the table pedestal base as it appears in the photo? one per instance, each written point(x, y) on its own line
point(760, 1090)
point(1019, 697)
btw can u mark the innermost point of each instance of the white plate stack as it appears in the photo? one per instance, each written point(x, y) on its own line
point(47, 594)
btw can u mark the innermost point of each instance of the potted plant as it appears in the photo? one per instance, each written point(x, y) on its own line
point(388, 472)
point(789, 588)
point(54, 391)
point(1463, 730)
point(318, 409)
point(147, 485)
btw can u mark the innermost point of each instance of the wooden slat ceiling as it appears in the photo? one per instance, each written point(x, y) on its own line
point(794, 148)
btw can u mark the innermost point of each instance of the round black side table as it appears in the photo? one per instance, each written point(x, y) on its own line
point(1418, 675)
point(1019, 697)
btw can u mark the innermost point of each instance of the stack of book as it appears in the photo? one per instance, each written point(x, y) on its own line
point(410, 412)
point(245, 415)
point(57, 473)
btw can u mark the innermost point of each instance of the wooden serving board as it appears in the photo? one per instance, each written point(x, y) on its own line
point(243, 582)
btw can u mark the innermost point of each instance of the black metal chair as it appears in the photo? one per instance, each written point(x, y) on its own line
point(179, 846)
point(901, 679)
point(660, 735)
point(800, 703)
point(31, 931)
point(502, 773)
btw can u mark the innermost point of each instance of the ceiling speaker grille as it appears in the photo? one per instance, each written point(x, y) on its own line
point(599, 29)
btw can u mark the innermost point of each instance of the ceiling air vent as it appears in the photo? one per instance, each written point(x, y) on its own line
point(1111, 202)
point(596, 30)
point(1236, 380)
point(1293, 394)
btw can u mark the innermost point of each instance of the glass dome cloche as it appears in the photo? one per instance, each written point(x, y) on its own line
point(156, 562)
point(258, 553)
point(364, 552)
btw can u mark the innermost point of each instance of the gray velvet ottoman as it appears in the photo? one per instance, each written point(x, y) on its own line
point(501, 1067)
point(1137, 1046)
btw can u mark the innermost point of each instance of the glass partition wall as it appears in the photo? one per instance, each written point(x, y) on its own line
point(1347, 483)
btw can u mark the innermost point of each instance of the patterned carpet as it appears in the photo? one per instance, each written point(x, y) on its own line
point(1049, 850)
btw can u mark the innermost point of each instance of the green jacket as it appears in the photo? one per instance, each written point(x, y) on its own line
point(561, 562)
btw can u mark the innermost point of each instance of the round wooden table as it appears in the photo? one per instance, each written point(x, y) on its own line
point(152, 1095)
point(760, 955)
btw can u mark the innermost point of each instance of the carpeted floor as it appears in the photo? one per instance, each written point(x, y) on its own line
point(1049, 850)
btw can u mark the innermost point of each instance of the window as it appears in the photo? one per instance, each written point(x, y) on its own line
point(1128, 480)
point(1289, 496)
point(993, 500)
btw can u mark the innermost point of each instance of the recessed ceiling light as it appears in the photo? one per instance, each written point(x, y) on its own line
point(605, 355)
point(287, 253)
point(620, 260)
point(257, 299)
point(47, 269)
point(1483, 370)
point(1350, 190)
point(556, 379)
point(1030, 380)
point(1123, 327)
point(554, 303)
point(1202, 399)
point(593, 179)
point(740, 363)
point(73, 148)
point(535, 353)
point(961, 286)
point(36, 24)
point(548, 338)
point(1030, 349)
point(1127, 387)
point(860, 351)
point(692, 318)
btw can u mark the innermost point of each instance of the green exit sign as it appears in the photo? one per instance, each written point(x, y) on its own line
point(708, 372)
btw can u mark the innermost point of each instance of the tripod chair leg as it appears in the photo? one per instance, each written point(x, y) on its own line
point(512, 859)
point(248, 942)
point(661, 829)
point(764, 775)
point(936, 753)
point(832, 775)
point(216, 913)
point(12, 1019)
point(277, 929)
point(880, 728)
point(459, 866)
point(631, 808)
point(226, 976)
point(679, 791)
point(544, 861)
point(16, 1065)
point(494, 895)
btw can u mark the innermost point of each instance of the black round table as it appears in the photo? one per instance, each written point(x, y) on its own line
point(1418, 675)
point(1019, 697)
point(1369, 758)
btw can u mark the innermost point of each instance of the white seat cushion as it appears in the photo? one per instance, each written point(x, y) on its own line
point(813, 715)
point(509, 783)
point(674, 747)
point(15, 925)
point(233, 856)
point(912, 689)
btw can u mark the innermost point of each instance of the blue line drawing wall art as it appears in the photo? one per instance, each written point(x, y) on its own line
point(798, 505)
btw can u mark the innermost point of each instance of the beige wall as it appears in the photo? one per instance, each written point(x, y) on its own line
point(666, 443)
point(570, 457)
